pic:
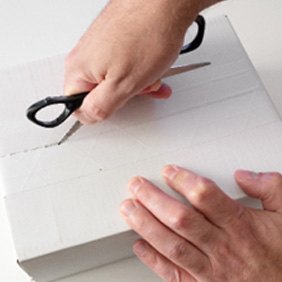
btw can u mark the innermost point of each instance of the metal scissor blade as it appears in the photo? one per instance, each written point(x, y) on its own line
point(184, 68)
point(72, 130)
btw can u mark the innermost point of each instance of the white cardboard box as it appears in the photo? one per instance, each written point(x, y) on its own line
point(63, 201)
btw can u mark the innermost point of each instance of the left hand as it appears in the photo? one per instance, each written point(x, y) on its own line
point(217, 239)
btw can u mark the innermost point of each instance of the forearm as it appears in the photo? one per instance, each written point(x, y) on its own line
point(180, 13)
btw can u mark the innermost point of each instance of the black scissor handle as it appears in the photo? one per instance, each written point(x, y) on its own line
point(197, 41)
point(71, 104)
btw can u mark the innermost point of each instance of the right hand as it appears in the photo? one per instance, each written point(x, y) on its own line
point(125, 52)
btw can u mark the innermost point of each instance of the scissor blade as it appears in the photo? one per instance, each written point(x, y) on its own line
point(184, 68)
point(72, 130)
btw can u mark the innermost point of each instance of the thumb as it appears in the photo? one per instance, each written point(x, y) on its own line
point(265, 186)
point(105, 97)
point(102, 101)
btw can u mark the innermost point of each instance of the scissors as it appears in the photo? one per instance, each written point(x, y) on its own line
point(73, 102)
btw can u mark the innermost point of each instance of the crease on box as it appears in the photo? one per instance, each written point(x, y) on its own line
point(272, 99)
point(22, 88)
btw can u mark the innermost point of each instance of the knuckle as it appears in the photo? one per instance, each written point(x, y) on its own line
point(177, 251)
point(168, 274)
point(180, 220)
point(204, 183)
point(197, 265)
point(203, 190)
point(207, 238)
point(122, 82)
point(174, 276)
point(222, 250)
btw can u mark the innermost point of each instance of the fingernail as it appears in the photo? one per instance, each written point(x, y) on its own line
point(170, 172)
point(140, 248)
point(135, 184)
point(127, 207)
point(246, 175)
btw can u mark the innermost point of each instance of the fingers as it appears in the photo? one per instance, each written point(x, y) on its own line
point(185, 221)
point(204, 195)
point(101, 102)
point(165, 241)
point(167, 270)
point(153, 88)
point(106, 97)
point(265, 186)
point(163, 92)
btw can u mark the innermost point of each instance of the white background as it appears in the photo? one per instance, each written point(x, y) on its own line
point(33, 29)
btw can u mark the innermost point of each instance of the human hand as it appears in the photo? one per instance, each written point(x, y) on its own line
point(125, 52)
point(217, 239)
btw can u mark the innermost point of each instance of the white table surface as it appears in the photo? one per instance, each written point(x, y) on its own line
point(33, 29)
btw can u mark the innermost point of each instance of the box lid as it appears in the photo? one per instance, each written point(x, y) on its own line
point(63, 201)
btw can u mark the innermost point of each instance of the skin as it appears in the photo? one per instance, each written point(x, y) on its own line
point(125, 51)
point(214, 239)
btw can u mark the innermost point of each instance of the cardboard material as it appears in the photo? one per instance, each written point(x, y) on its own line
point(20, 87)
point(63, 201)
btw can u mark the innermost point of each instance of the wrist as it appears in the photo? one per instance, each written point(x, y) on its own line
point(180, 13)
point(187, 10)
